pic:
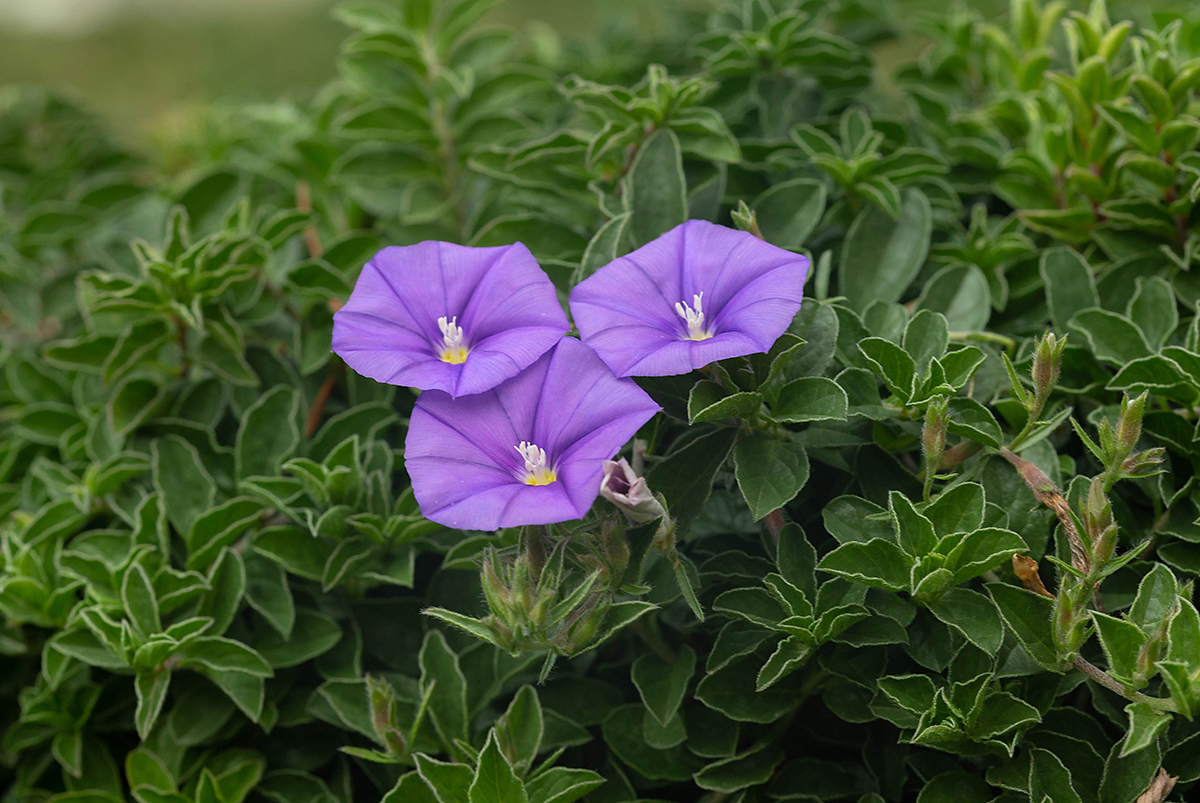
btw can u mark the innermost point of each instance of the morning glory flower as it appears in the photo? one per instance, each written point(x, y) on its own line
point(439, 316)
point(531, 450)
point(697, 294)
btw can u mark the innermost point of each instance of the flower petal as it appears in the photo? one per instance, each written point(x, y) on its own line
point(626, 310)
point(461, 453)
point(506, 305)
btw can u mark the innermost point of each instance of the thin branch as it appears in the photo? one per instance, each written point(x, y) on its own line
point(1112, 684)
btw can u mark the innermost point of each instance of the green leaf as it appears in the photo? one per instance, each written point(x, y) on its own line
point(269, 433)
point(1145, 725)
point(1070, 285)
point(443, 680)
point(247, 691)
point(220, 654)
point(268, 592)
point(883, 255)
point(656, 189)
point(610, 242)
point(1183, 634)
point(976, 552)
point(973, 615)
point(926, 337)
point(623, 734)
point(956, 509)
point(961, 293)
point(519, 731)
point(810, 398)
point(409, 789)
point(1049, 779)
point(136, 399)
point(151, 686)
point(709, 401)
point(955, 786)
point(313, 634)
point(1028, 617)
point(751, 768)
point(662, 684)
point(914, 532)
point(562, 785)
point(769, 472)
point(878, 563)
point(451, 783)
point(971, 420)
point(685, 476)
point(893, 364)
point(1155, 598)
point(220, 527)
point(183, 483)
point(790, 211)
point(1112, 337)
point(1121, 640)
point(141, 605)
point(495, 781)
point(1126, 775)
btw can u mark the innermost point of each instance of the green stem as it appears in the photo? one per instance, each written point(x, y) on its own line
point(1109, 682)
point(986, 337)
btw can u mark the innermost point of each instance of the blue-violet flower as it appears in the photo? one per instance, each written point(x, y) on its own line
point(439, 316)
point(530, 451)
point(697, 294)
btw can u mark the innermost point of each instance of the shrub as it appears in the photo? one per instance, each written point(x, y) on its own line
point(938, 543)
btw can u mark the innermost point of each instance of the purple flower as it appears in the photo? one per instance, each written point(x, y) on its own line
point(530, 451)
point(439, 316)
point(697, 294)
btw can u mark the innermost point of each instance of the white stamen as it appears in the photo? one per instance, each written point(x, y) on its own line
point(452, 333)
point(536, 470)
point(454, 350)
point(694, 316)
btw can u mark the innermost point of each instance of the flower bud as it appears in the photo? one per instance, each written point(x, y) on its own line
point(1104, 546)
point(1129, 424)
point(933, 436)
point(580, 634)
point(1143, 463)
point(1047, 362)
point(383, 715)
point(1097, 511)
point(629, 492)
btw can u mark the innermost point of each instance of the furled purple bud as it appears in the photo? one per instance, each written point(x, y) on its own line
point(629, 492)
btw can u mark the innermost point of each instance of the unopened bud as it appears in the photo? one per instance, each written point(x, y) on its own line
point(495, 590)
point(581, 633)
point(933, 436)
point(1129, 424)
point(1097, 511)
point(383, 715)
point(1144, 463)
point(1047, 362)
point(1104, 546)
point(629, 492)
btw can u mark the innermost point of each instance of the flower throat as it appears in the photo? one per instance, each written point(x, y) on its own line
point(536, 470)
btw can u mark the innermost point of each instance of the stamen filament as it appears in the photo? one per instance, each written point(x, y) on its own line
point(694, 316)
point(454, 349)
point(536, 470)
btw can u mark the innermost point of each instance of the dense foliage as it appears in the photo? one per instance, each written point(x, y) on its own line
point(938, 544)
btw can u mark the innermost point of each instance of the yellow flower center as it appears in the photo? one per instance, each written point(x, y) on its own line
point(454, 349)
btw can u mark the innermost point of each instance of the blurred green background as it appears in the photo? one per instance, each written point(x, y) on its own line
point(152, 66)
